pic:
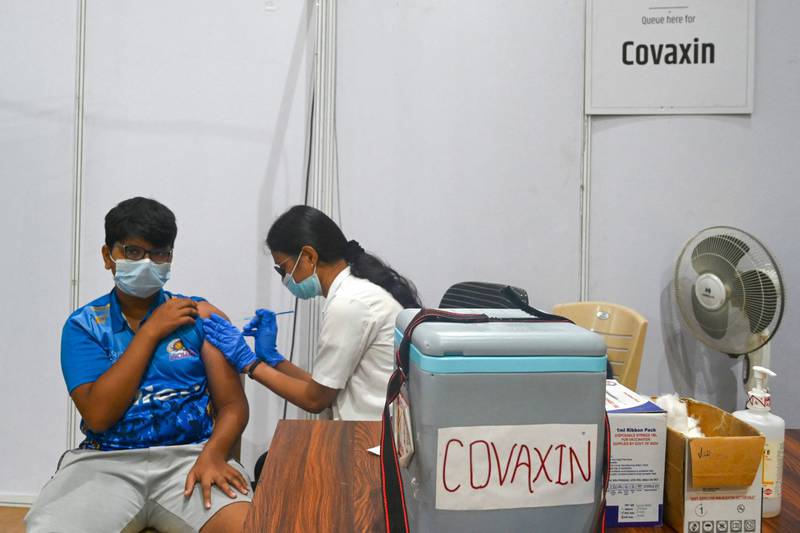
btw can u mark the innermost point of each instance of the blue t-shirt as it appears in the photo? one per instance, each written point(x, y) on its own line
point(172, 406)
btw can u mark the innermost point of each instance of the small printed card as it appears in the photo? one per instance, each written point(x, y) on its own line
point(403, 438)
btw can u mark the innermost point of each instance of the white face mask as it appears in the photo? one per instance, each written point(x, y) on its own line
point(141, 278)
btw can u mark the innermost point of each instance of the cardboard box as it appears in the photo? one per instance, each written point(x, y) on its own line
point(638, 442)
point(713, 484)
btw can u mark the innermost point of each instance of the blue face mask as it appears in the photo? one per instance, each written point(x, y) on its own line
point(308, 288)
point(141, 278)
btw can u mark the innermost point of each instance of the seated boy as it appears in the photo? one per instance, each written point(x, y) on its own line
point(144, 380)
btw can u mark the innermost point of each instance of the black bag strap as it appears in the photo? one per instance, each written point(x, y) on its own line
point(394, 503)
point(515, 298)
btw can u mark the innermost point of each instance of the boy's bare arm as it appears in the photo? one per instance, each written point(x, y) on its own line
point(231, 415)
point(227, 394)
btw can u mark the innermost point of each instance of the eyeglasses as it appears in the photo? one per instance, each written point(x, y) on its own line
point(137, 253)
point(279, 268)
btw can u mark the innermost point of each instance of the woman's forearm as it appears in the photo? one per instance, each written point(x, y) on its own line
point(292, 370)
point(307, 395)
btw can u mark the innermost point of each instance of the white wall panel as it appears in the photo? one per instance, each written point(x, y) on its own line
point(459, 129)
point(201, 106)
point(37, 61)
point(658, 180)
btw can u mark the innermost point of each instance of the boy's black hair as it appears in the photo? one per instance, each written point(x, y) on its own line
point(142, 218)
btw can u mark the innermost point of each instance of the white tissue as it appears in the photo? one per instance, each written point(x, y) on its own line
point(694, 428)
point(677, 416)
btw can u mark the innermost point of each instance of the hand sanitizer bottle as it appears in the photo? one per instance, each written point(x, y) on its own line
point(773, 427)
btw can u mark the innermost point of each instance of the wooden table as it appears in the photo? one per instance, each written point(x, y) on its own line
point(319, 477)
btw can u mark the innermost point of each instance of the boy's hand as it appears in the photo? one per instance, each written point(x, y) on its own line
point(212, 469)
point(169, 316)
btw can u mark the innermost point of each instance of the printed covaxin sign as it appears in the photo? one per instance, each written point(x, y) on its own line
point(515, 467)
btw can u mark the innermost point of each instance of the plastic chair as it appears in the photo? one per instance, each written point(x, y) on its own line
point(622, 328)
point(479, 294)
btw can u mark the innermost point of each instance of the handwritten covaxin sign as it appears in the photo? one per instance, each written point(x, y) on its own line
point(512, 467)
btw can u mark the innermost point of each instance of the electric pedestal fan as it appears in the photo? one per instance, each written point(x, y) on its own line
point(730, 293)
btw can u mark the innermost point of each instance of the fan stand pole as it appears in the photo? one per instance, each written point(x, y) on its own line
point(760, 357)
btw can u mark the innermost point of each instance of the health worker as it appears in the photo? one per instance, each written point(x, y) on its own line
point(355, 354)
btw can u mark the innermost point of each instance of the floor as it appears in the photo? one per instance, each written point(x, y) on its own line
point(11, 519)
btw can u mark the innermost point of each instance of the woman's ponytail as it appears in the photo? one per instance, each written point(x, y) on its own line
point(353, 251)
point(367, 266)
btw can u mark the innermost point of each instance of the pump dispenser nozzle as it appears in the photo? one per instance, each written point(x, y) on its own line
point(759, 398)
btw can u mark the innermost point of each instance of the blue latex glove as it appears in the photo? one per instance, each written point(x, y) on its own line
point(229, 340)
point(264, 329)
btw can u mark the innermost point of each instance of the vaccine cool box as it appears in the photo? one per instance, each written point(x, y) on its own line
point(507, 421)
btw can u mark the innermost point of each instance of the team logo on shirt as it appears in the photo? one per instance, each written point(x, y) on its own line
point(101, 313)
point(177, 350)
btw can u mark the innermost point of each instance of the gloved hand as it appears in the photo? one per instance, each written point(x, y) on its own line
point(229, 340)
point(264, 328)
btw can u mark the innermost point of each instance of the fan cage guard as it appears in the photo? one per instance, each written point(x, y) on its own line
point(719, 245)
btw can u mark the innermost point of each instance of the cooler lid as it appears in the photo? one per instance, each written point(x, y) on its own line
point(441, 339)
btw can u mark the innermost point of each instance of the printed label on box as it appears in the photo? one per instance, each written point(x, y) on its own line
point(723, 510)
point(638, 446)
point(637, 466)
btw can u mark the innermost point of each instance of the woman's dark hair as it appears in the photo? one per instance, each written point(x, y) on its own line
point(306, 226)
point(141, 218)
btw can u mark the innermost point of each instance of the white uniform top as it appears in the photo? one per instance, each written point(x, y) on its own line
point(356, 346)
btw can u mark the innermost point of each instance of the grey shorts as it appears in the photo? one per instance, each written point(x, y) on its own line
point(126, 490)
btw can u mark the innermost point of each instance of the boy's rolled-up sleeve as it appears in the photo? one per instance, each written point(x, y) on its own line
point(83, 359)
